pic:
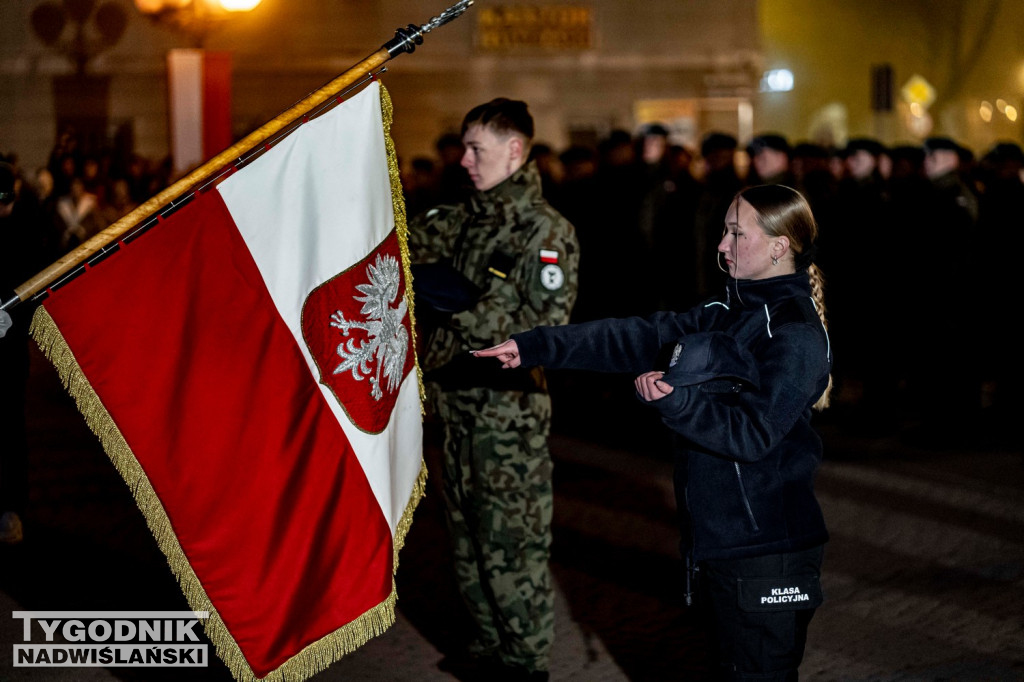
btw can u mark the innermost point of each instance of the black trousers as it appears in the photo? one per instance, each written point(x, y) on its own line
point(757, 611)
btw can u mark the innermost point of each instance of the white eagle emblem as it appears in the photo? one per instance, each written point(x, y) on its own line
point(388, 341)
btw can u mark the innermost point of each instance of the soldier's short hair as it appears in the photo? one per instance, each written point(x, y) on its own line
point(501, 115)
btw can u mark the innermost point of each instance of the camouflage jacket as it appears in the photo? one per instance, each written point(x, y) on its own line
point(516, 248)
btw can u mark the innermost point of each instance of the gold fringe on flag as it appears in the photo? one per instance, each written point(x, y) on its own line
point(320, 654)
point(401, 224)
point(402, 228)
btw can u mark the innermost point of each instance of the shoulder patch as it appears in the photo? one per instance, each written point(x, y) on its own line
point(551, 277)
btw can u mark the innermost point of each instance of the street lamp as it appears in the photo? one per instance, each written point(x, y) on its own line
point(198, 80)
point(195, 17)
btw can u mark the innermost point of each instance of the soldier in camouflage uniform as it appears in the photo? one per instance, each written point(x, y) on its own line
point(518, 257)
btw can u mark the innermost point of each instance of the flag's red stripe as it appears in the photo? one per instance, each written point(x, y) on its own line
point(216, 102)
point(181, 341)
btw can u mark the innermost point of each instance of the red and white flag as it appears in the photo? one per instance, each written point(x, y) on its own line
point(248, 364)
point(198, 105)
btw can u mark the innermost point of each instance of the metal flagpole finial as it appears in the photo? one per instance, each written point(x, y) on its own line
point(452, 12)
point(406, 39)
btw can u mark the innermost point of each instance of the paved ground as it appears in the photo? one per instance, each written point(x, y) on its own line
point(924, 574)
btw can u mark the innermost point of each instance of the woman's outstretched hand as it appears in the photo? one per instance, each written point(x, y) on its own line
point(651, 387)
point(507, 353)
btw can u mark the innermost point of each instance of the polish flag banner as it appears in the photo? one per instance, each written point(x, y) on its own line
point(248, 364)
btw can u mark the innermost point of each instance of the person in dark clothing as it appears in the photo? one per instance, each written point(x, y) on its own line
point(949, 392)
point(809, 163)
point(665, 223)
point(23, 255)
point(999, 216)
point(908, 193)
point(453, 182)
point(906, 162)
point(549, 166)
point(736, 380)
point(576, 201)
point(866, 371)
point(720, 182)
point(420, 185)
point(674, 239)
point(652, 173)
point(769, 159)
point(618, 194)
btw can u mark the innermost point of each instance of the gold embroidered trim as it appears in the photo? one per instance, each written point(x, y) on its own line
point(401, 225)
point(320, 654)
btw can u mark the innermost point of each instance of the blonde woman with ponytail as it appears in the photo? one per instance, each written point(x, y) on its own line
point(737, 379)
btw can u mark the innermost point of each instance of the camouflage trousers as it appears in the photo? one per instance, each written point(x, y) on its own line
point(497, 483)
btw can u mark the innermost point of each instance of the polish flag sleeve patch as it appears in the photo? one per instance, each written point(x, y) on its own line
point(548, 256)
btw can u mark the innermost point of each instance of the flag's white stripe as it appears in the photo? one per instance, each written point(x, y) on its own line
point(317, 203)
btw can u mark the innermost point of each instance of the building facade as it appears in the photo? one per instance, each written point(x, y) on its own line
point(584, 67)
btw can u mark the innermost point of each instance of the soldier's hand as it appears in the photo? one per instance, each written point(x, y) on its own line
point(651, 387)
point(507, 353)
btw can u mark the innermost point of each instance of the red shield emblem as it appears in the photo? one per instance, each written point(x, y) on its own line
point(357, 329)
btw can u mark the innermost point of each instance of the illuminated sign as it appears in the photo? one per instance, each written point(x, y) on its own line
point(562, 27)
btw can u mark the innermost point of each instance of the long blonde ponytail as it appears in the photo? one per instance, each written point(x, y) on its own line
point(782, 210)
point(818, 295)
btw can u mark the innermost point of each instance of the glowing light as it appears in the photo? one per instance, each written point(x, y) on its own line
point(919, 126)
point(1001, 105)
point(1011, 112)
point(239, 5)
point(777, 80)
point(985, 111)
point(155, 6)
point(918, 91)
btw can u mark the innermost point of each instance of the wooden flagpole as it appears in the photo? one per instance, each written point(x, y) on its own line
point(405, 40)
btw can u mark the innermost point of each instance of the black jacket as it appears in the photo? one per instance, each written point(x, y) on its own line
point(747, 368)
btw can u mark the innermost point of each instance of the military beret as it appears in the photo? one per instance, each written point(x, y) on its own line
point(866, 144)
point(906, 152)
point(934, 144)
point(768, 141)
point(714, 142)
point(656, 129)
point(809, 150)
point(1007, 152)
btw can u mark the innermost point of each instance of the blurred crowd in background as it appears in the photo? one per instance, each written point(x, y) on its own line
point(910, 239)
point(81, 191)
point(917, 243)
